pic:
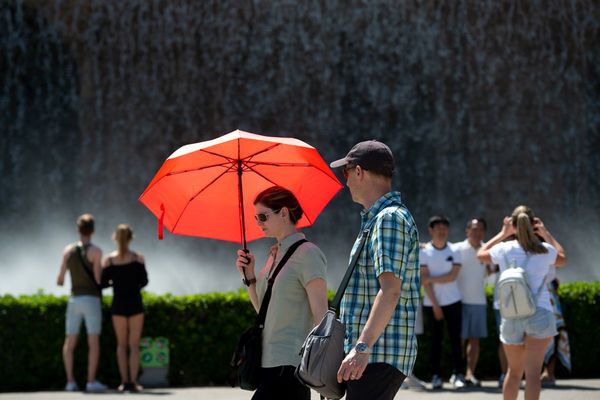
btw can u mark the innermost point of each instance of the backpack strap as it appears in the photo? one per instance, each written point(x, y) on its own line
point(82, 252)
point(524, 265)
point(539, 291)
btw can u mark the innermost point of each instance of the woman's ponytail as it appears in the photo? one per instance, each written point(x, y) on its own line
point(521, 219)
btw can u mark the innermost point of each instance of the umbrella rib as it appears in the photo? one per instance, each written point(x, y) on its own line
point(262, 151)
point(261, 175)
point(230, 159)
point(199, 169)
point(289, 165)
point(277, 164)
point(248, 159)
point(187, 170)
point(194, 196)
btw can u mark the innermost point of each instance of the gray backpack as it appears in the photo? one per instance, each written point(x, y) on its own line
point(516, 300)
point(323, 350)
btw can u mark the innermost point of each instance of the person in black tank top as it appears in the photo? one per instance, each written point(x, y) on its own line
point(125, 271)
point(83, 261)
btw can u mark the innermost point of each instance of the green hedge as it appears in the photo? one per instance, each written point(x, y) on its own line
point(203, 330)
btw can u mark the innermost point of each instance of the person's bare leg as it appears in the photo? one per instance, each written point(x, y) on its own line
point(93, 356)
point(548, 373)
point(533, 361)
point(120, 327)
point(514, 373)
point(67, 353)
point(472, 356)
point(136, 324)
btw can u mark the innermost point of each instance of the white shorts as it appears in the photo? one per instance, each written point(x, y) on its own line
point(87, 308)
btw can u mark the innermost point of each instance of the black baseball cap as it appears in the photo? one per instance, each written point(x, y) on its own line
point(438, 219)
point(371, 155)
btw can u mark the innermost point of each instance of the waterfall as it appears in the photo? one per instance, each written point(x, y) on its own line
point(486, 105)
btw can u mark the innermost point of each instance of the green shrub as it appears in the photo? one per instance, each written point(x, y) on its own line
point(203, 330)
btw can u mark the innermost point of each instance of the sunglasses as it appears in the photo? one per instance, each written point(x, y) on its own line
point(346, 170)
point(263, 217)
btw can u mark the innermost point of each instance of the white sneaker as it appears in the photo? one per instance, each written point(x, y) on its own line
point(72, 387)
point(458, 381)
point(473, 382)
point(436, 382)
point(95, 387)
point(414, 383)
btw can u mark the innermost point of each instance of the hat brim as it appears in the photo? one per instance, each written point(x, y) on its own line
point(339, 163)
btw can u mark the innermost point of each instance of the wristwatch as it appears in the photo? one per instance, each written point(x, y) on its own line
point(361, 347)
point(248, 282)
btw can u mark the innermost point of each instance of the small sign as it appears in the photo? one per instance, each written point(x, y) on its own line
point(154, 352)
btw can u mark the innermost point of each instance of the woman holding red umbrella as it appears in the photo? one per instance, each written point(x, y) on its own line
point(299, 297)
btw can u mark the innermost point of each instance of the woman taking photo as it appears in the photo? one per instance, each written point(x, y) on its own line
point(299, 297)
point(125, 271)
point(525, 340)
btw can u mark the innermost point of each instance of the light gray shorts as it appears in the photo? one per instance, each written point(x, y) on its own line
point(87, 308)
point(540, 325)
point(474, 321)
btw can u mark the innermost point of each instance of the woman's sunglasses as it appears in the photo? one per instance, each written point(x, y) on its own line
point(263, 217)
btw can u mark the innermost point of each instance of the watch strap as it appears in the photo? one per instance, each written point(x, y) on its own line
point(248, 282)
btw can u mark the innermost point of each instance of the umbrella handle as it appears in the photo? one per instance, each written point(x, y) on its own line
point(248, 260)
point(241, 204)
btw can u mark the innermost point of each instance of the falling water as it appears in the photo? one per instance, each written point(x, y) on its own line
point(486, 105)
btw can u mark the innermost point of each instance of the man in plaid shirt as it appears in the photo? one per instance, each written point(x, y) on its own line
point(380, 304)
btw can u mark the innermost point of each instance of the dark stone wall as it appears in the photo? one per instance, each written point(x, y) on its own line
point(486, 104)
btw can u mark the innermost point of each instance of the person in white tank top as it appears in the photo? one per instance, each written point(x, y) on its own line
point(525, 340)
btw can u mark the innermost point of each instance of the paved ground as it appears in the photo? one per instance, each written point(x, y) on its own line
point(574, 389)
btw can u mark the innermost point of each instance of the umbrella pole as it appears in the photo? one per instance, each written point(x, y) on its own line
point(241, 197)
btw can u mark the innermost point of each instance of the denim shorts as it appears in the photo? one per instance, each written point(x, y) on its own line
point(87, 308)
point(540, 325)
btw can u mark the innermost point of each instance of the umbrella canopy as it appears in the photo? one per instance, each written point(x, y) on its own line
point(207, 189)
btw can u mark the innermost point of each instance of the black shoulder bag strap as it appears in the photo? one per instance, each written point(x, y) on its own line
point(87, 267)
point(335, 304)
point(262, 314)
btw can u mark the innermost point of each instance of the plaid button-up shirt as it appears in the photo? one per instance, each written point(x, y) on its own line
point(392, 246)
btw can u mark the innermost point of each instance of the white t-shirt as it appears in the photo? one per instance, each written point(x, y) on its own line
point(471, 279)
point(537, 268)
point(439, 262)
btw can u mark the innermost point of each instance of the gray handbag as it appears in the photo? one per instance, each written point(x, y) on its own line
point(323, 350)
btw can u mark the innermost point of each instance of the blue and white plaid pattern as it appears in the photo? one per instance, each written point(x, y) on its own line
point(392, 246)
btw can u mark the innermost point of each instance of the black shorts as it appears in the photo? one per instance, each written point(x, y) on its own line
point(380, 381)
point(127, 306)
point(279, 383)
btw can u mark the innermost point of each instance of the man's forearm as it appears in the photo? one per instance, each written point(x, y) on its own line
point(430, 293)
point(381, 313)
